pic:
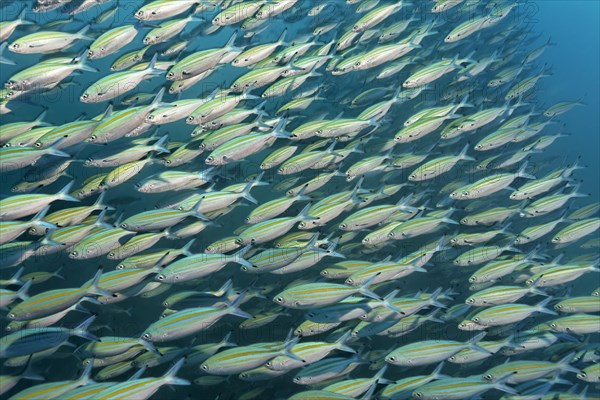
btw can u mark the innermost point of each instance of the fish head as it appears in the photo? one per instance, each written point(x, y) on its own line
point(87, 97)
point(205, 367)
point(143, 188)
point(489, 377)
point(143, 15)
point(280, 299)
point(16, 47)
point(167, 278)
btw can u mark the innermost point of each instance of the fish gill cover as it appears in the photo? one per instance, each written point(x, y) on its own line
point(271, 199)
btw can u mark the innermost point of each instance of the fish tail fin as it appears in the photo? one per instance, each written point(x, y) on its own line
point(64, 193)
point(379, 376)
point(254, 182)
point(303, 215)
point(289, 344)
point(195, 211)
point(81, 34)
point(29, 372)
point(149, 346)
point(93, 287)
point(432, 317)
point(22, 292)
point(521, 173)
point(225, 288)
point(22, 19)
point(279, 130)
point(16, 278)
point(437, 372)
point(231, 41)
point(281, 39)
point(226, 341)
point(332, 245)
point(534, 289)
point(47, 240)
point(185, 250)
point(82, 329)
point(100, 220)
point(151, 69)
point(541, 306)
point(474, 346)
point(433, 299)
point(301, 196)
point(463, 154)
point(234, 307)
point(38, 219)
point(341, 342)
point(238, 257)
point(170, 377)
point(86, 375)
point(504, 388)
point(386, 302)
point(157, 101)
point(365, 291)
point(416, 267)
point(160, 145)
point(565, 363)
point(99, 203)
point(82, 64)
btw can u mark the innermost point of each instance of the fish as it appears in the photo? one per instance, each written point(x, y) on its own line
point(47, 41)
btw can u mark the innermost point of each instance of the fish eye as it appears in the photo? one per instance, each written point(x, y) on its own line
point(419, 394)
point(216, 19)
point(204, 367)
point(488, 377)
point(279, 299)
point(476, 319)
point(124, 226)
point(93, 137)
point(74, 253)
point(11, 316)
point(392, 358)
point(15, 45)
point(161, 277)
point(553, 325)
point(84, 96)
point(90, 53)
point(470, 301)
point(211, 158)
point(139, 13)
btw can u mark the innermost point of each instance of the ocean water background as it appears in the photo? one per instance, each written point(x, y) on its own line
point(575, 68)
point(575, 65)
